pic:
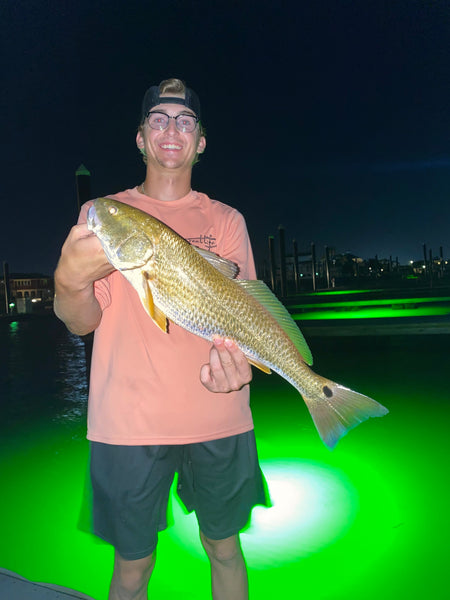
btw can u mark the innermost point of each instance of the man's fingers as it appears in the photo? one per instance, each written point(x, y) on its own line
point(228, 369)
point(234, 361)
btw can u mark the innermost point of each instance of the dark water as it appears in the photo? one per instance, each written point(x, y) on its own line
point(43, 369)
point(42, 374)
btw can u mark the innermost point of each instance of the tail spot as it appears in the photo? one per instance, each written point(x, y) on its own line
point(326, 390)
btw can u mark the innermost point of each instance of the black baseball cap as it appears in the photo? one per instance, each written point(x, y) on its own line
point(153, 98)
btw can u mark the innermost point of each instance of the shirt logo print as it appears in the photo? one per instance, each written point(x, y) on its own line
point(204, 241)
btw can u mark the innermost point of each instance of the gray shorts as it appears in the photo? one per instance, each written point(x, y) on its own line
point(221, 480)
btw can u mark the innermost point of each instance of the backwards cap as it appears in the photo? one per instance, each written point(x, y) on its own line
point(153, 98)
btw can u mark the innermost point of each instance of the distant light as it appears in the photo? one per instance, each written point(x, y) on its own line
point(36, 300)
point(11, 305)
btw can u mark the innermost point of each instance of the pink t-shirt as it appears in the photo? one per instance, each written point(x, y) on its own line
point(145, 384)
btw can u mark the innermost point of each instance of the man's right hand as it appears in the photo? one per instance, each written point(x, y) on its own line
point(81, 263)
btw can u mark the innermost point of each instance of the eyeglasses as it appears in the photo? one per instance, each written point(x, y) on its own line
point(184, 122)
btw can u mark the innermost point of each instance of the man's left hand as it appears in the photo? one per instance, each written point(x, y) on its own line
point(228, 369)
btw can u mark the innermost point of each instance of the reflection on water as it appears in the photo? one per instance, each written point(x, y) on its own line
point(42, 372)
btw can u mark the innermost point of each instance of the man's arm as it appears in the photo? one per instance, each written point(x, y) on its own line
point(81, 263)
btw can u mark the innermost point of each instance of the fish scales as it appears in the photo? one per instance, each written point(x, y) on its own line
point(208, 303)
point(186, 285)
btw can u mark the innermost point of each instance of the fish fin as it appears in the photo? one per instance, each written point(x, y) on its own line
point(225, 266)
point(259, 365)
point(260, 291)
point(340, 409)
point(158, 317)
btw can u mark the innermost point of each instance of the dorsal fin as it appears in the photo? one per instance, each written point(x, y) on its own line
point(260, 291)
point(226, 267)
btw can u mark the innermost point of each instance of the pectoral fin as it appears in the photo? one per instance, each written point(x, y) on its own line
point(158, 317)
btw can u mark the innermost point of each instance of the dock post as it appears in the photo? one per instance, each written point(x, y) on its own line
point(83, 179)
point(313, 265)
point(83, 182)
point(282, 261)
point(296, 273)
point(272, 264)
point(7, 286)
point(327, 265)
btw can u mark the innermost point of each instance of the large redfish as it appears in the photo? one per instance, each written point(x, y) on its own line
point(197, 290)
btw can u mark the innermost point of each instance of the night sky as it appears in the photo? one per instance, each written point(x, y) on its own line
point(331, 118)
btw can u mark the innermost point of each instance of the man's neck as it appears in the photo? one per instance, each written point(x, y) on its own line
point(166, 186)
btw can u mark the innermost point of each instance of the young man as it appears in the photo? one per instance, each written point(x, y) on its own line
point(164, 403)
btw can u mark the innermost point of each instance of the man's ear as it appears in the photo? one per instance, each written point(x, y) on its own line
point(201, 145)
point(140, 140)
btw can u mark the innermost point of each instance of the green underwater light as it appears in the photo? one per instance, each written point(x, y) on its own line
point(313, 505)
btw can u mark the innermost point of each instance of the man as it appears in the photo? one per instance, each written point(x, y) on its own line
point(164, 402)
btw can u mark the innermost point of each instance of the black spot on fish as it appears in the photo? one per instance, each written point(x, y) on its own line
point(326, 390)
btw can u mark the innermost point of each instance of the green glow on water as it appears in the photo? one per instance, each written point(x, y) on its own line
point(372, 313)
point(366, 521)
point(372, 309)
point(340, 292)
point(398, 302)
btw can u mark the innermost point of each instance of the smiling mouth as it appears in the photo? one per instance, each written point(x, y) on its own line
point(170, 147)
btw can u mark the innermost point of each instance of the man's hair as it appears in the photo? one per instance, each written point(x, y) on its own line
point(174, 86)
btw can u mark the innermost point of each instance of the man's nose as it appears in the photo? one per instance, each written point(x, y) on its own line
point(172, 126)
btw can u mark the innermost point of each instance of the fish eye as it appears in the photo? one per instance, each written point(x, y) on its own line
point(112, 210)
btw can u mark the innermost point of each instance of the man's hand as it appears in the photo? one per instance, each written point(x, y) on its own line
point(82, 259)
point(228, 369)
point(82, 262)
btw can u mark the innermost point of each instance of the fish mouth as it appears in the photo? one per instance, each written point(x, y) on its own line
point(93, 222)
point(111, 249)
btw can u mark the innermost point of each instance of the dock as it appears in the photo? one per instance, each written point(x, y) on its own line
point(15, 587)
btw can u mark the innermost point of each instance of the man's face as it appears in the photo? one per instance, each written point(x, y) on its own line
point(170, 148)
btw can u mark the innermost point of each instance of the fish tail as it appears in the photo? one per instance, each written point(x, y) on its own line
point(340, 409)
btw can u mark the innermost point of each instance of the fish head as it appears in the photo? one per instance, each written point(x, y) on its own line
point(127, 240)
